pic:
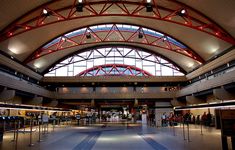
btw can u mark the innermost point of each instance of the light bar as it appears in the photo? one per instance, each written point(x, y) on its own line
point(30, 107)
point(210, 105)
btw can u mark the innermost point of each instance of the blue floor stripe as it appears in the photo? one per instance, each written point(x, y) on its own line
point(155, 145)
point(88, 142)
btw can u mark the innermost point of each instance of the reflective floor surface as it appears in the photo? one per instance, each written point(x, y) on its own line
point(117, 136)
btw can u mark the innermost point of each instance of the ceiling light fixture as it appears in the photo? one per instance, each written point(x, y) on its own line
point(140, 35)
point(79, 6)
point(149, 7)
point(63, 39)
point(183, 11)
point(45, 12)
point(164, 38)
point(88, 34)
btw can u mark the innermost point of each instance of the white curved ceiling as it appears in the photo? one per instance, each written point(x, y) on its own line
point(206, 45)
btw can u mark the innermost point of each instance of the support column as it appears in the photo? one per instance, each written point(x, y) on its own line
point(159, 111)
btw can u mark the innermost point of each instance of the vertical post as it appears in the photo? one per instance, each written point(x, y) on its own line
point(14, 137)
point(233, 142)
point(24, 125)
point(224, 142)
point(188, 132)
point(53, 125)
point(47, 128)
point(39, 130)
point(17, 133)
point(183, 132)
point(174, 128)
point(43, 127)
point(4, 126)
point(201, 128)
point(31, 132)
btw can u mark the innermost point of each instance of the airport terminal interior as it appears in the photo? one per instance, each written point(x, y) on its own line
point(117, 75)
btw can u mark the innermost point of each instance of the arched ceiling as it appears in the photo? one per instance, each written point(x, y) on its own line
point(207, 27)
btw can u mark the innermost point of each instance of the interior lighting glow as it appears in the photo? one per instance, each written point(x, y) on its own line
point(164, 39)
point(230, 106)
point(63, 39)
point(45, 11)
point(190, 64)
point(17, 47)
point(148, 1)
point(183, 11)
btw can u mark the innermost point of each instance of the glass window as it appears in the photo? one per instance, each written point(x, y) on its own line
point(75, 64)
point(62, 71)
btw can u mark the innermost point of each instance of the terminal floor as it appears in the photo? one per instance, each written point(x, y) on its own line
point(117, 136)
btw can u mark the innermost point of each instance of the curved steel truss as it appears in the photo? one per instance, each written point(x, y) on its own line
point(114, 70)
point(114, 33)
point(104, 56)
point(169, 11)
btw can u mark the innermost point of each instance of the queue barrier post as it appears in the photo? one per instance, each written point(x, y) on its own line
point(184, 132)
point(14, 136)
point(31, 132)
point(17, 135)
point(188, 133)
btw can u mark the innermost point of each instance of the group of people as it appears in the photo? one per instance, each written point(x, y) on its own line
point(206, 119)
point(171, 119)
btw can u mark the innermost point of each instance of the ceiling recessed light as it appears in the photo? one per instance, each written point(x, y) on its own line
point(183, 11)
point(44, 11)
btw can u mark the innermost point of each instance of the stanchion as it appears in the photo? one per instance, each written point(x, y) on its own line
point(39, 131)
point(43, 127)
point(31, 132)
point(188, 132)
point(17, 133)
point(174, 129)
point(201, 128)
point(24, 125)
point(4, 126)
point(53, 126)
point(14, 137)
point(47, 128)
point(183, 132)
